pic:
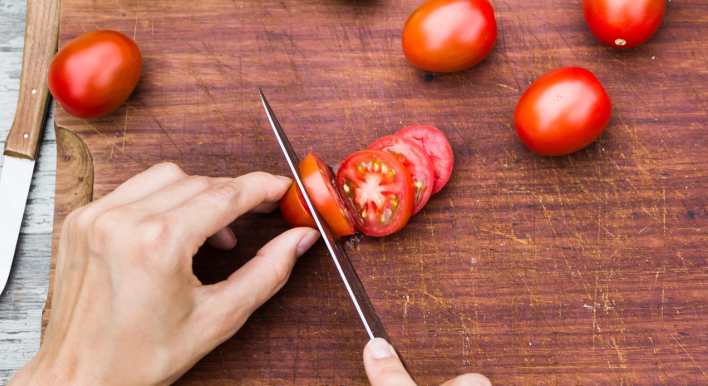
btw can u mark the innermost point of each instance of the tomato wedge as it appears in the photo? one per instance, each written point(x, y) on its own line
point(377, 190)
point(318, 177)
point(416, 160)
point(438, 148)
point(295, 210)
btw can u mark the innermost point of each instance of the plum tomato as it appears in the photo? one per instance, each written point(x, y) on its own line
point(95, 73)
point(318, 180)
point(295, 210)
point(416, 160)
point(623, 23)
point(438, 148)
point(377, 190)
point(562, 112)
point(449, 35)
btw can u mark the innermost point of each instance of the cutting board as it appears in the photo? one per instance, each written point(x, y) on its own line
point(588, 269)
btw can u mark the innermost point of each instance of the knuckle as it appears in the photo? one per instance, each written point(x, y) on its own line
point(103, 226)
point(153, 233)
point(199, 182)
point(278, 273)
point(170, 169)
point(228, 191)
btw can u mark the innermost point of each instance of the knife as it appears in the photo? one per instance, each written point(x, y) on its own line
point(372, 324)
point(41, 37)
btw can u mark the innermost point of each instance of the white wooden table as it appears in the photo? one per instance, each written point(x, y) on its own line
point(22, 301)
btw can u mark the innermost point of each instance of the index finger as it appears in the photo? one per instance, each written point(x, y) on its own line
point(206, 213)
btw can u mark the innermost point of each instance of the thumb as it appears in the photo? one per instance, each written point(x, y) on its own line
point(383, 368)
point(235, 299)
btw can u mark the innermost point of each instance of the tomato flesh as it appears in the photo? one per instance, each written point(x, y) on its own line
point(95, 73)
point(562, 112)
point(623, 23)
point(449, 35)
point(377, 190)
point(318, 178)
point(416, 160)
point(438, 148)
point(295, 210)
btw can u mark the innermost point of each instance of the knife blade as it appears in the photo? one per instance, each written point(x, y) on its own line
point(41, 37)
point(372, 324)
point(362, 303)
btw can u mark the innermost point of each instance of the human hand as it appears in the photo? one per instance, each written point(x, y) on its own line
point(384, 368)
point(127, 308)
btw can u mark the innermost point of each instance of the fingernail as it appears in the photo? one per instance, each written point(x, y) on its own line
point(380, 349)
point(231, 233)
point(308, 241)
point(285, 178)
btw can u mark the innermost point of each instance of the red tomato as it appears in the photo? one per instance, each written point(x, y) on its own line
point(449, 35)
point(563, 111)
point(318, 179)
point(295, 210)
point(437, 147)
point(95, 73)
point(416, 160)
point(623, 23)
point(377, 190)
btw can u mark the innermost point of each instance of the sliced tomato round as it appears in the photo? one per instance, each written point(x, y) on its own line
point(318, 179)
point(438, 148)
point(377, 190)
point(416, 160)
point(295, 210)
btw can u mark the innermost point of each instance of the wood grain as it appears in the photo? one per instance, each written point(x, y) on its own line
point(588, 269)
point(41, 36)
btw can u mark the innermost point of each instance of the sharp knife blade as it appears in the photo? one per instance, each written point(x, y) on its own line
point(14, 189)
point(362, 303)
point(361, 300)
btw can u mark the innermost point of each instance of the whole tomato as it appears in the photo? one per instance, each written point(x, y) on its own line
point(95, 73)
point(562, 112)
point(449, 35)
point(623, 23)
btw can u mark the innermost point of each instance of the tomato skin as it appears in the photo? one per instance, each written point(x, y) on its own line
point(562, 112)
point(384, 191)
point(449, 35)
point(95, 73)
point(295, 210)
point(438, 148)
point(416, 160)
point(623, 23)
point(317, 178)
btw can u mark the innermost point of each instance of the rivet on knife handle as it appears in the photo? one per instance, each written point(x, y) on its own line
point(41, 37)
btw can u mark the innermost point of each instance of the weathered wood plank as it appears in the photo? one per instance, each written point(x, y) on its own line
point(23, 299)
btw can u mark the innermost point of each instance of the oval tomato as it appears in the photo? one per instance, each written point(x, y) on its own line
point(295, 210)
point(416, 160)
point(377, 190)
point(623, 23)
point(562, 112)
point(438, 148)
point(449, 35)
point(95, 73)
point(318, 178)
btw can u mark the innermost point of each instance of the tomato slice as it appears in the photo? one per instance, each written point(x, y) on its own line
point(416, 160)
point(438, 148)
point(377, 190)
point(318, 178)
point(295, 210)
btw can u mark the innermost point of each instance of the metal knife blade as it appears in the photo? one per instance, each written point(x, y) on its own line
point(14, 188)
point(361, 300)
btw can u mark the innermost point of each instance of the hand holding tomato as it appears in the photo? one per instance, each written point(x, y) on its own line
point(95, 73)
point(562, 112)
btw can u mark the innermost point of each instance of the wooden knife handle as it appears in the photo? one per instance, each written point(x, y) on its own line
point(41, 37)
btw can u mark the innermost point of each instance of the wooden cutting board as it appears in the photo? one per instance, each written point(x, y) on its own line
point(587, 269)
